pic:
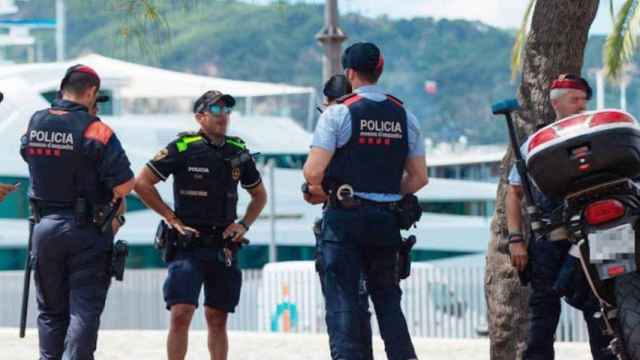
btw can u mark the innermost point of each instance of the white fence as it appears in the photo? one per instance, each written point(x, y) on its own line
point(437, 302)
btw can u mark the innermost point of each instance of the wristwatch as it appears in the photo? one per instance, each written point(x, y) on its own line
point(120, 219)
point(515, 238)
point(246, 227)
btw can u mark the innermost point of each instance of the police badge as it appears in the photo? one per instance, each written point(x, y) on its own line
point(161, 155)
point(235, 174)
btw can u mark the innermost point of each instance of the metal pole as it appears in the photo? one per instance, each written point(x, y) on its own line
point(331, 38)
point(600, 89)
point(273, 254)
point(60, 28)
point(623, 95)
point(311, 110)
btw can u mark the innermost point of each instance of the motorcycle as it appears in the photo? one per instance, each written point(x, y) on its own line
point(588, 162)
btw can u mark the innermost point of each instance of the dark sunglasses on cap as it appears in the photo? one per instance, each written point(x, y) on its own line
point(217, 109)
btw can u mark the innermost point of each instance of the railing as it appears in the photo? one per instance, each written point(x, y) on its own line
point(437, 302)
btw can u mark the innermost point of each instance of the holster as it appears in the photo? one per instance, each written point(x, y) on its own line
point(404, 257)
point(408, 211)
point(118, 259)
point(165, 242)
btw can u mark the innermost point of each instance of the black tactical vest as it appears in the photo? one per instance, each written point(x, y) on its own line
point(374, 157)
point(61, 170)
point(205, 188)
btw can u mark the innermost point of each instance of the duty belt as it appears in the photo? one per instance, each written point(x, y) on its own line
point(357, 202)
point(211, 239)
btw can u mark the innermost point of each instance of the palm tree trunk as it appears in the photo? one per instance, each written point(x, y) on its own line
point(555, 45)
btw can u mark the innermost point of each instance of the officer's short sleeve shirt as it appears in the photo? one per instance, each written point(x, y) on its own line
point(249, 175)
point(166, 162)
point(514, 178)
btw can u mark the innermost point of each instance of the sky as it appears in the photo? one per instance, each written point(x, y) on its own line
point(500, 13)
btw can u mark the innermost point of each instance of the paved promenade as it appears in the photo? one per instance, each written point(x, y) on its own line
point(150, 345)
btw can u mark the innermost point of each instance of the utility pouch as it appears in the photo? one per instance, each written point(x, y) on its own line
point(118, 259)
point(408, 211)
point(404, 257)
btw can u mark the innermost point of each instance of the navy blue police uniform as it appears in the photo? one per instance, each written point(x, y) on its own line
point(75, 161)
point(205, 189)
point(366, 237)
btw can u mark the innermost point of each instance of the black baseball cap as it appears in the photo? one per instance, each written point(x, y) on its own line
point(363, 57)
point(212, 97)
point(336, 87)
point(80, 68)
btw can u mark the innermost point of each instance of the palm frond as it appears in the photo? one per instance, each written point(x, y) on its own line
point(521, 38)
point(621, 43)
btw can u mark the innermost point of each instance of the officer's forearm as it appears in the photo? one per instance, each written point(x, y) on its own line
point(411, 184)
point(512, 208)
point(151, 197)
point(257, 203)
point(415, 175)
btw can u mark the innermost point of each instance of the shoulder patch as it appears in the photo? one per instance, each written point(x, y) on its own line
point(395, 100)
point(98, 131)
point(237, 142)
point(161, 155)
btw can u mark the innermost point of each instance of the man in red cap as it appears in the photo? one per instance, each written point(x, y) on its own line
point(78, 171)
point(569, 95)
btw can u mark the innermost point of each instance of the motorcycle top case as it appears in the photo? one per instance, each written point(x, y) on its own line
point(584, 150)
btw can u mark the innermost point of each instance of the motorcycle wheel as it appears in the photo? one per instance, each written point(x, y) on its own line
point(627, 291)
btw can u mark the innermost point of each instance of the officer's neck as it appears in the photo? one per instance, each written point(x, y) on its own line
point(214, 139)
point(77, 99)
point(357, 83)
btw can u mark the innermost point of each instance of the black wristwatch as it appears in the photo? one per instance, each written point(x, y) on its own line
point(120, 219)
point(246, 227)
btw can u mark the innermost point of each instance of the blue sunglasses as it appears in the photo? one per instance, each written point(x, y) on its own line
point(217, 109)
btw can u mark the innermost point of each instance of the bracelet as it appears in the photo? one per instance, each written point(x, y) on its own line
point(246, 227)
point(515, 238)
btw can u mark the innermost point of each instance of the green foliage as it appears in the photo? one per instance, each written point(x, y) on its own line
point(239, 40)
point(621, 43)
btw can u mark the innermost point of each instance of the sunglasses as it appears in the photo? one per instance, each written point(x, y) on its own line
point(217, 109)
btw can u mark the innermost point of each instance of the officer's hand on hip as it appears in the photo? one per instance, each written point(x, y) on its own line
point(235, 232)
point(179, 226)
point(519, 257)
point(314, 199)
point(314, 194)
point(6, 189)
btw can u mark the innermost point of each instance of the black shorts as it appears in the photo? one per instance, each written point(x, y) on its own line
point(191, 269)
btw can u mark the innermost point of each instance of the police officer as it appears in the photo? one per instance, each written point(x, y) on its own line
point(336, 87)
point(6, 189)
point(78, 169)
point(206, 168)
point(366, 153)
point(569, 95)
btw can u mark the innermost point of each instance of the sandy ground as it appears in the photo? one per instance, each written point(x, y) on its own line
point(147, 345)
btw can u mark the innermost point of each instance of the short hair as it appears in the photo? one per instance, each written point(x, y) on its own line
point(369, 76)
point(79, 82)
point(557, 93)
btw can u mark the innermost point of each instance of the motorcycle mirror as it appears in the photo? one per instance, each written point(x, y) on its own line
point(505, 107)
